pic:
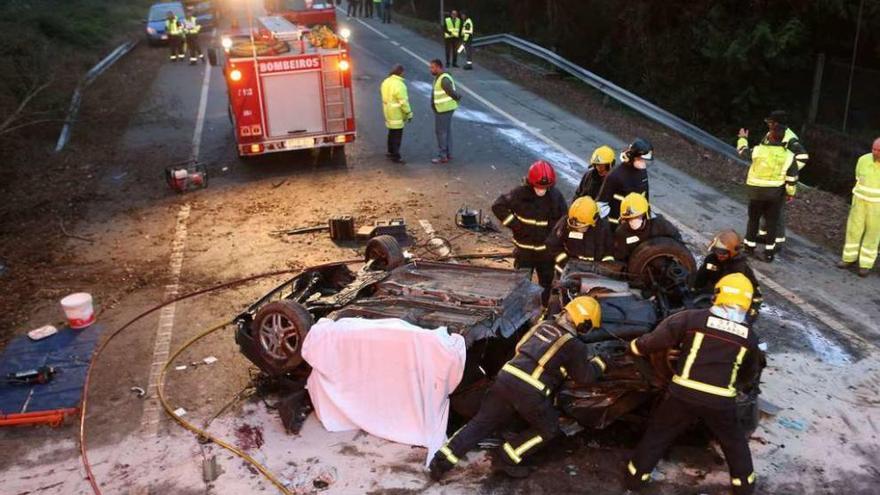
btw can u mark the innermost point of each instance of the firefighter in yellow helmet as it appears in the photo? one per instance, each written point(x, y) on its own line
point(525, 386)
point(580, 235)
point(719, 357)
point(638, 224)
point(601, 164)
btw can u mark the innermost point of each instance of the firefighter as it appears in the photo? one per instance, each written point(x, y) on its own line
point(545, 356)
point(467, 38)
point(631, 176)
point(637, 224)
point(772, 180)
point(395, 106)
point(601, 164)
point(530, 211)
point(451, 36)
point(354, 6)
point(720, 357)
point(724, 257)
point(444, 101)
point(581, 235)
point(863, 224)
point(778, 121)
point(175, 36)
point(191, 29)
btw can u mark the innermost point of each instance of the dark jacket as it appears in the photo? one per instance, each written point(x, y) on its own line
point(622, 180)
point(591, 184)
point(596, 244)
point(530, 217)
point(718, 356)
point(711, 271)
point(626, 240)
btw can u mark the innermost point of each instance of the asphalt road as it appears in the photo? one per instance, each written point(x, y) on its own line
point(819, 324)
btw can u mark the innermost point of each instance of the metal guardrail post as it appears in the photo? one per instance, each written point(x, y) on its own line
point(626, 98)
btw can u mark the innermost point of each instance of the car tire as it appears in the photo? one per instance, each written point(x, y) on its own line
point(658, 248)
point(212, 57)
point(280, 328)
point(385, 253)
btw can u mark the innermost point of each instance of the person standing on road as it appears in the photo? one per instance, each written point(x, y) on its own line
point(772, 181)
point(191, 29)
point(395, 106)
point(548, 354)
point(451, 37)
point(863, 224)
point(719, 358)
point(725, 257)
point(444, 101)
point(377, 8)
point(353, 7)
point(637, 225)
point(601, 164)
point(531, 211)
point(368, 8)
point(467, 38)
point(175, 36)
point(631, 176)
point(386, 11)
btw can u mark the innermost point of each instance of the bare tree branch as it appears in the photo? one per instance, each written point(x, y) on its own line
point(18, 112)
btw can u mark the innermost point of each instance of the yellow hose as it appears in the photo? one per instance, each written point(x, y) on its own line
point(200, 432)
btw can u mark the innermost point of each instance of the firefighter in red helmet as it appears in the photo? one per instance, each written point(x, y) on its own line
point(530, 211)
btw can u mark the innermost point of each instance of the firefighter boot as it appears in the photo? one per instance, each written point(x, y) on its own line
point(439, 466)
point(844, 265)
point(635, 481)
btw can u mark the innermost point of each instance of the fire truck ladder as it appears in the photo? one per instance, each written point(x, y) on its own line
point(334, 95)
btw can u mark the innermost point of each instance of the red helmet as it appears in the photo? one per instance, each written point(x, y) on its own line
point(541, 174)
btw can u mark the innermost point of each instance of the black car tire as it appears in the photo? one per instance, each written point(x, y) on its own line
point(661, 247)
point(212, 56)
point(384, 252)
point(280, 328)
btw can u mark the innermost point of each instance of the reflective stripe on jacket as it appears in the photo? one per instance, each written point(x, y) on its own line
point(531, 217)
point(191, 25)
point(467, 29)
point(453, 28)
point(773, 166)
point(867, 179)
point(395, 102)
point(442, 101)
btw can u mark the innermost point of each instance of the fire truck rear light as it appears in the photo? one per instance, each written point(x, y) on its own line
point(235, 75)
point(256, 148)
point(256, 130)
point(344, 65)
point(245, 130)
point(340, 138)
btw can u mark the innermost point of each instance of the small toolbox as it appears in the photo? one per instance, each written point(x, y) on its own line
point(396, 227)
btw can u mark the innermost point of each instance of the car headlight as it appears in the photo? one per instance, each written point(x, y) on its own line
point(151, 30)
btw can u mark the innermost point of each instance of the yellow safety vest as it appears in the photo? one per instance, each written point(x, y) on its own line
point(769, 168)
point(191, 25)
point(467, 30)
point(395, 102)
point(171, 26)
point(453, 28)
point(443, 102)
point(867, 179)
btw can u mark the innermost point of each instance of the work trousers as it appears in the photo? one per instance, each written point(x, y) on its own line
point(368, 8)
point(451, 51)
point(395, 137)
point(192, 47)
point(443, 130)
point(377, 6)
point(862, 233)
point(354, 7)
point(544, 269)
point(768, 210)
point(506, 398)
point(175, 44)
point(780, 230)
point(469, 54)
point(672, 417)
point(386, 11)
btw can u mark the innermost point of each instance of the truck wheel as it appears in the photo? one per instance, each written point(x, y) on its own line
point(384, 252)
point(212, 56)
point(654, 251)
point(280, 327)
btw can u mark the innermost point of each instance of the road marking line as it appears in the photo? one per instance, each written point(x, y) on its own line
point(793, 298)
point(200, 117)
point(395, 43)
point(371, 28)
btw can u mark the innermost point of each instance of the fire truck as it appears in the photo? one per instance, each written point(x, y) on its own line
point(289, 86)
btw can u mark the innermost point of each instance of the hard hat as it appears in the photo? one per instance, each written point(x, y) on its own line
point(602, 155)
point(734, 290)
point(582, 213)
point(726, 241)
point(640, 147)
point(632, 206)
point(541, 175)
point(778, 116)
point(583, 309)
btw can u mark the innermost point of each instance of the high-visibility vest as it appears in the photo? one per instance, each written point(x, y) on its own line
point(467, 29)
point(453, 28)
point(395, 102)
point(769, 168)
point(171, 26)
point(191, 25)
point(867, 179)
point(443, 102)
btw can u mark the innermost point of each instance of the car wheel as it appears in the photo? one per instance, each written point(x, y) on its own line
point(384, 252)
point(647, 255)
point(280, 327)
point(212, 56)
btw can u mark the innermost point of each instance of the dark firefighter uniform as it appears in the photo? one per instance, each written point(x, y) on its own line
point(626, 240)
point(594, 245)
point(545, 356)
point(622, 180)
point(792, 143)
point(712, 270)
point(591, 184)
point(718, 356)
point(531, 217)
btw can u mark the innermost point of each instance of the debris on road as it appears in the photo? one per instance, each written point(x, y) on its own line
point(42, 332)
point(793, 424)
point(180, 368)
point(210, 360)
point(210, 469)
point(179, 412)
point(139, 391)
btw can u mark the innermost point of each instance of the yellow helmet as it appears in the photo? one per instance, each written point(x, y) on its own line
point(734, 290)
point(584, 309)
point(603, 155)
point(632, 206)
point(583, 213)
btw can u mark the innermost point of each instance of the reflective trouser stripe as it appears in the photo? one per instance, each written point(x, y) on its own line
point(633, 348)
point(750, 243)
point(509, 219)
point(561, 257)
point(635, 472)
point(449, 455)
point(738, 482)
point(516, 454)
point(862, 233)
point(704, 387)
point(522, 375)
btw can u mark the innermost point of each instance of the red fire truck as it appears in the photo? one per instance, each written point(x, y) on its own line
point(289, 86)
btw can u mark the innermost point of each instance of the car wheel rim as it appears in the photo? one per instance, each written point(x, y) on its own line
point(278, 336)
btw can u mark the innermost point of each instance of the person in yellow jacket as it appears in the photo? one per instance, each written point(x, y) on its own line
point(863, 224)
point(467, 38)
point(175, 34)
point(395, 106)
point(451, 37)
point(444, 101)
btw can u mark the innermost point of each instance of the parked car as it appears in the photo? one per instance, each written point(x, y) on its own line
point(155, 23)
point(492, 308)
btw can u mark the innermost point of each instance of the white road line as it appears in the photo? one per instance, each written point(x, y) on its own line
point(200, 117)
point(793, 298)
point(371, 28)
